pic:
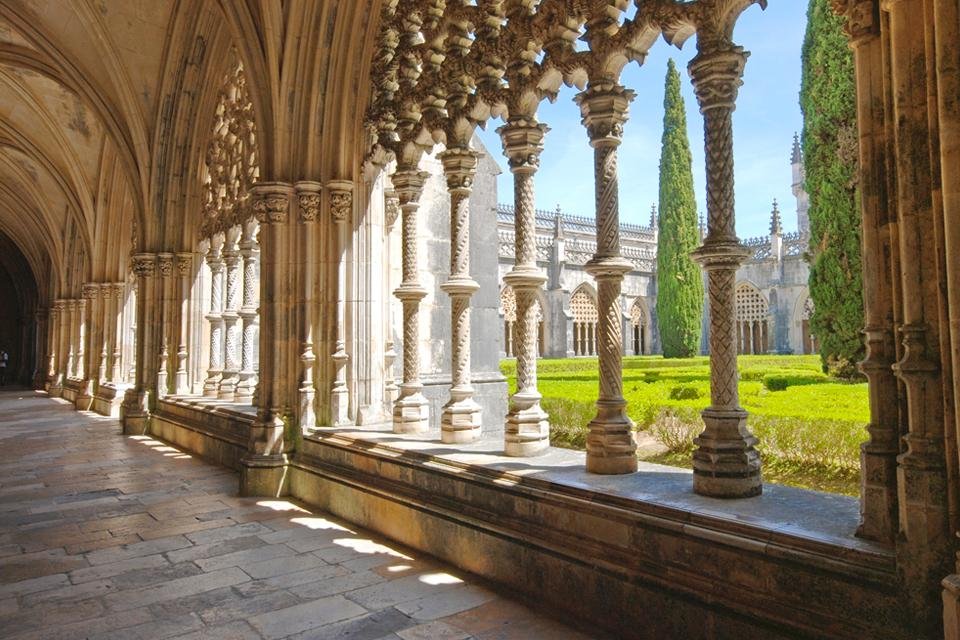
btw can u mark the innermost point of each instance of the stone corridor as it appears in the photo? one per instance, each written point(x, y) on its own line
point(110, 536)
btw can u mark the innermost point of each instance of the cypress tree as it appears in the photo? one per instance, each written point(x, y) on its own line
point(828, 102)
point(679, 283)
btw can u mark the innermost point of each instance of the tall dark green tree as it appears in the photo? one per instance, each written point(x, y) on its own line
point(679, 283)
point(828, 102)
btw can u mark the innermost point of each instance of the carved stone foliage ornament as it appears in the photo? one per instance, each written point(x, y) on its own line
point(309, 206)
point(271, 208)
point(231, 164)
point(341, 202)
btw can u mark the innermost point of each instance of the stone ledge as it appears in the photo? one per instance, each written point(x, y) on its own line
point(765, 565)
point(214, 430)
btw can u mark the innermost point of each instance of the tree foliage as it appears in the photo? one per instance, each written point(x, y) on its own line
point(828, 102)
point(679, 283)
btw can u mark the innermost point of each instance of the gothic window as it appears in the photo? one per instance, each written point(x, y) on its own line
point(231, 168)
point(753, 327)
point(584, 310)
point(638, 326)
point(810, 344)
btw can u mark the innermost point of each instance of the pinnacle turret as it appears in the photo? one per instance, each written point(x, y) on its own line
point(653, 216)
point(776, 224)
point(796, 157)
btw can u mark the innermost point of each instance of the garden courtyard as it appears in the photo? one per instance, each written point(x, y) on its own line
point(809, 426)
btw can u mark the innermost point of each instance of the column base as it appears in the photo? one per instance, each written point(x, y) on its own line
point(134, 415)
point(339, 406)
point(264, 476)
point(411, 414)
point(84, 398)
point(460, 420)
point(610, 446)
point(245, 387)
point(725, 463)
point(211, 386)
point(227, 390)
point(527, 429)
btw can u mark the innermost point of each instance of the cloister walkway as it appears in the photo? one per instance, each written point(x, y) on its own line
point(107, 536)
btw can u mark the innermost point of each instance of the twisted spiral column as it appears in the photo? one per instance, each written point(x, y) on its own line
point(527, 430)
point(231, 318)
point(610, 445)
point(725, 463)
point(411, 410)
point(214, 317)
point(250, 253)
point(460, 419)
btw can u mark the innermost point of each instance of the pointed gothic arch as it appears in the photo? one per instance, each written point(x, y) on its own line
point(753, 319)
point(583, 308)
point(508, 310)
point(639, 339)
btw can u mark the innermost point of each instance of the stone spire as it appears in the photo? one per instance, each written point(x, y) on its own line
point(702, 227)
point(776, 224)
point(803, 201)
point(653, 216)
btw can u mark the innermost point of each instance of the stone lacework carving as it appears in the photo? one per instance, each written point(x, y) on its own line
point(637, 315)
point(807, 312)
point(440, 69)
point(231, 157)
point(751, 305)
point(583, 308)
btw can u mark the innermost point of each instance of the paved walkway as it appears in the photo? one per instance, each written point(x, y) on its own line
point(106, 536)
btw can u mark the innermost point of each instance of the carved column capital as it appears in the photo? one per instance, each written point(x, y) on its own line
point(408, 184)
point(308, 200)
point(459, 167)
point(184, 264)
point(717, 74)
point(165, 262)
point(144, 265)
point(862, 19)
point(391, 208)
point(90, 290)
point(604, 109)
point(59, 305)
point(271, 202)
point(341, 199)
point(522, 143)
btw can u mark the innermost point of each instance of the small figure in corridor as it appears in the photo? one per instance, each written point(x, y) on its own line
point(4, 359)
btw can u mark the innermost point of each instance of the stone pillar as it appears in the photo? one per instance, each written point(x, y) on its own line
point(460, 419)
point(878, 456)
point(231, 316)
point(308, 204)
point(55, 347)
point(263, 468)
point(166, 269)
point(116, 291)
point(71, 338)
point(135, 410)
point(80, 338)
point(184, 271)
point(610, 445)
point(391, 211)
point(527, 430)
point(40, 319)
point(926, 541)
point(89, 306)
point(725, 463)
point(103, 333)
point(341, 208)
point(215, 369)
point(250, 251)
point(411, 412)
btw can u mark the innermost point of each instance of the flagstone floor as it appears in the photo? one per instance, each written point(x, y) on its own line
point(110, 536)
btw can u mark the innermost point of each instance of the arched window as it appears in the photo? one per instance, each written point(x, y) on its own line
point(229, 230)
point(583, 307)
point(638, 324)
point(753, 327)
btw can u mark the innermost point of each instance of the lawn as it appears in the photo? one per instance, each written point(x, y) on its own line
point(810, 426)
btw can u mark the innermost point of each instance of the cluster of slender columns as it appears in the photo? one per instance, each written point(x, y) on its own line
point(753, 336)
point(233, 262)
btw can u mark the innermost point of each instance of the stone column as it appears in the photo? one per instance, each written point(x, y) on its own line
point(263, 467)
point(460, 419)
point(80, 337)
point(250, 252)
point(925, 541)
point(104, 322)
point(40, 337)
point(411, 413)
point(341, 208)
point(116, 291)
point(610, 445)
point(55, 343)
point(71, 337)
point(391, 211)
point(308, 204)
point(184, 271)
point(878, 456)
point(215, 369)
point(91, 295)
point(136, 406)
point(725, 463)
point(231, 316)
point(527, 430)
point(166, 270)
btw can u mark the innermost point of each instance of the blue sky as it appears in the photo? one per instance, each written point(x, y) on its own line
point(766, 118)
